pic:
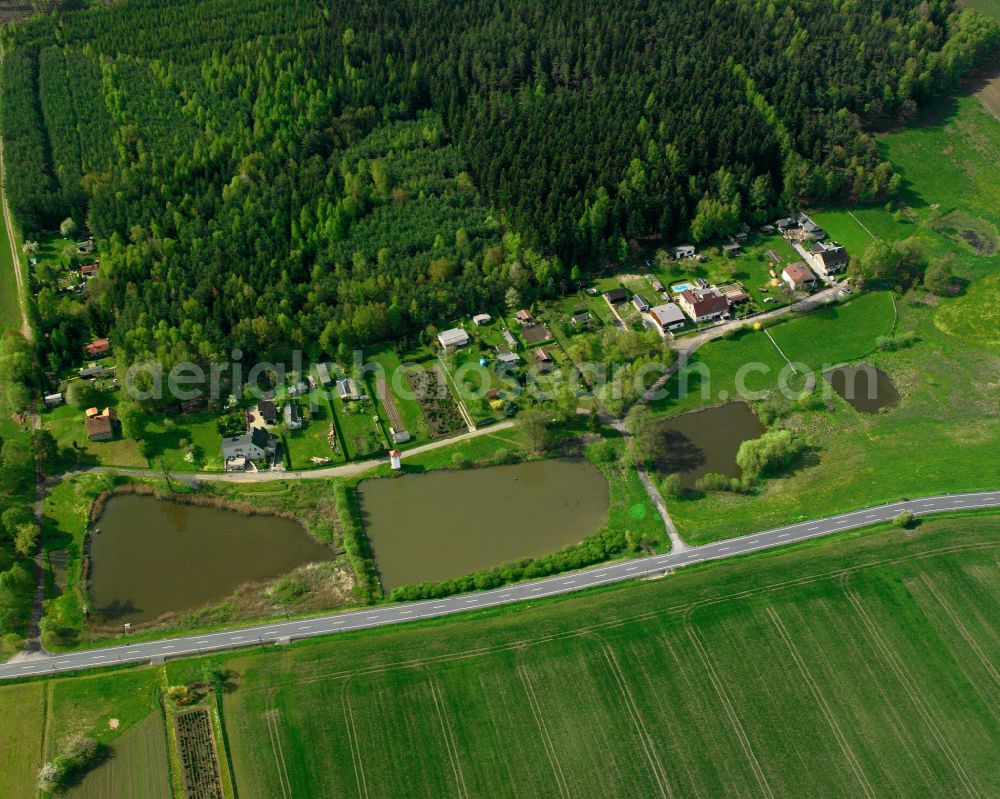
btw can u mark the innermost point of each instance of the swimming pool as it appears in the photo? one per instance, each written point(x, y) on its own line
point(679, 287)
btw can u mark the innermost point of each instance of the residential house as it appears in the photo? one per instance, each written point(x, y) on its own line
point(731, 249)
point(543, 360)
point(53, 400)
point(91, 371)
point(267, 411)
point(810, 231)
point(323, 374)
point(640, 303)
point(667, 317)
point(580, 318)
point(683, 251)
point(616, 296)
point(347, 390)
point(507, 360)
point(452, 339)
point(525, 318)
point(510, 339)
point(787, 225)
point(656, 284)
point(767, 230)
point(100, 425)
point(293, 416)
point(85, 247)
point(254, 445)
point(742, 235)
point(98, 348)
point(703, 305)
point(87, 271)
point(482, 319)
point(799, 277)
point(828, 258)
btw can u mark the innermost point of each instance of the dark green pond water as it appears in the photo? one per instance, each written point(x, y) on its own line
point(707, 441)
point(866, 388)
point(446, 524)
point(153, 557)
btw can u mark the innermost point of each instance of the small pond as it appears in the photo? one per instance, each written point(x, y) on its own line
point(707, 441)
point(153, 557)
point(445, 524)
point(865, 388)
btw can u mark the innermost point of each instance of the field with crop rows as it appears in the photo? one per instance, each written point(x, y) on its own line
point(864, 674)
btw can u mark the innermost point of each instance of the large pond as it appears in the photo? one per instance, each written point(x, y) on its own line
point(866, 388)
point(445, 524)
point(707, 441)
point(153, 557)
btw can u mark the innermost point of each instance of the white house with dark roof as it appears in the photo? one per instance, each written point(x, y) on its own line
point(828, 258)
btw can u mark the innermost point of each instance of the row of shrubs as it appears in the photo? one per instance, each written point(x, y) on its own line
point(595, 549)
point(356, 547)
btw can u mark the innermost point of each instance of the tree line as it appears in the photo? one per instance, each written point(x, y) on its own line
point(271, 174)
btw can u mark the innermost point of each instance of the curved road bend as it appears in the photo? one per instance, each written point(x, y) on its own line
point(560, 584)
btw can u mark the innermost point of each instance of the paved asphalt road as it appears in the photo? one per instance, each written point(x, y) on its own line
point(560, 584)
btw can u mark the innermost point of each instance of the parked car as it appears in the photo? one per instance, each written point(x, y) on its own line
point(769, 299)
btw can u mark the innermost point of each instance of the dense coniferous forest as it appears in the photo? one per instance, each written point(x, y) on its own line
point(278, 173)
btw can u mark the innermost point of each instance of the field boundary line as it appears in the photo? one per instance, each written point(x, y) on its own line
point(861, 225)
point(353, 741)
point(449, 740)
point(547, 743)
point(687, 608)
point(969, 639)
point(633, 710)
point(891, 658)
point(279, 754)
point(838, 733)
point(727, 705)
